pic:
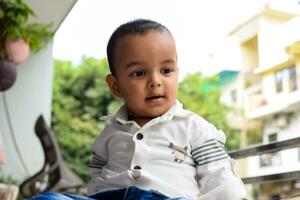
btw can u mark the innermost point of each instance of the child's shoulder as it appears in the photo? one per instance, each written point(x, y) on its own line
point(202, 129)
point(192, 117)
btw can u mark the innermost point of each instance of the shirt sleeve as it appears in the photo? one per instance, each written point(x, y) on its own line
point(215, 173)
point(98, 161)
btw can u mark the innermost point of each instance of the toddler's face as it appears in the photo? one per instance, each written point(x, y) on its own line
point(146, 73)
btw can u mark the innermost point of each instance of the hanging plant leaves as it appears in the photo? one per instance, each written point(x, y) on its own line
point(14, 15)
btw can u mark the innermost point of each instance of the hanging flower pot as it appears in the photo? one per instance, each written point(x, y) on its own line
point(17, 50)
point(8, 74)
point(18, 37)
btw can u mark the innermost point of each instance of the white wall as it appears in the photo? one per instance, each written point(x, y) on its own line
point(237, 85)
point(27, 99)
point(274, 37)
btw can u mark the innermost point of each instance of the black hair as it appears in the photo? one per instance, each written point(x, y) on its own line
point(135, 27)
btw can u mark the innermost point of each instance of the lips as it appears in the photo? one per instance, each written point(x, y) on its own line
point(154, 97)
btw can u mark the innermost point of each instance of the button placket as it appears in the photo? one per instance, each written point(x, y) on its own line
point(139, 157)
point(138, 137)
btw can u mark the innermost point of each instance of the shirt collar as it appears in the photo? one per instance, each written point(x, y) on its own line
point(120, 116)
point(175, 111)
point(178, 111)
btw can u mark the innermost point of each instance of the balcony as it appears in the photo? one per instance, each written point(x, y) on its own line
point(257, 106)
point(254, 98)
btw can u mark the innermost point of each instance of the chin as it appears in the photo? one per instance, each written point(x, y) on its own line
point(158, 113)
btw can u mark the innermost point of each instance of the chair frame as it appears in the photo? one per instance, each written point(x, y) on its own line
point(55, 175)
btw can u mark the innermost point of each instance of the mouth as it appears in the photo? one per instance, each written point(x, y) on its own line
point(154, 97)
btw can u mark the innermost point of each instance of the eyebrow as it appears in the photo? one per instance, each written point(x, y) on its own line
point(168, 61)
point(133, 64)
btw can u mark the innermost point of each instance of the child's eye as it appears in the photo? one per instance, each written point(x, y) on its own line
point(167, 70)
point(137, 74)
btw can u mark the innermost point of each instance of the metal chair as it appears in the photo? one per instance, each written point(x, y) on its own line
point(55, 175)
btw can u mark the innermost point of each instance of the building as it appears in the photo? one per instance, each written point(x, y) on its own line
point(270, 69)
point(230, 82)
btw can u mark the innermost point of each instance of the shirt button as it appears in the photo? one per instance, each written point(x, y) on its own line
point(136, 174)
point(139, 136)
point(137, 167)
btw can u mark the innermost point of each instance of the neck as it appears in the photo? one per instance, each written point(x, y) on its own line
point(140, 120)
point(132, 116)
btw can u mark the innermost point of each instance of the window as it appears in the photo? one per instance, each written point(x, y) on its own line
point(292, 78)
point(279, 80)
point(272, 137)
point(286, 77)
point(233, 96)
point(270, 159)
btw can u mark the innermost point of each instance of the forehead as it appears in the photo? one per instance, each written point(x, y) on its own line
point(151, 45)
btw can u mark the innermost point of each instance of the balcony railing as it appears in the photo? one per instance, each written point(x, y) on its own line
point(268, 148)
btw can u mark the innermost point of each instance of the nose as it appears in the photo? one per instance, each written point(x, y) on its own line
point(154, 84)
point(154, 81)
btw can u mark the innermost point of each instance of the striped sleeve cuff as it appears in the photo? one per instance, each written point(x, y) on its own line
point(210, 151)
point(97, 162)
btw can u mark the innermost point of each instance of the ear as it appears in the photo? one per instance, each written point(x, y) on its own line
point(113, 85)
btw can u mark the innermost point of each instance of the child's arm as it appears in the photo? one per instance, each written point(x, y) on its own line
point(98, 161)
point(215, 171)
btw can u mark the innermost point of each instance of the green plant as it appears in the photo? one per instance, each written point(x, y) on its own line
point(7, 179)
point(14, 15)
point(80, 97)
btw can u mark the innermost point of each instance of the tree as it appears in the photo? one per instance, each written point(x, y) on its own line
point(80, 98)
point(202, 95)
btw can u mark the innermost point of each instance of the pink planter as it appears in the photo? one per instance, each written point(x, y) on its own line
point(17, 50)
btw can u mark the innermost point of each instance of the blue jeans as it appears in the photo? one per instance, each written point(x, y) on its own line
point(130, 193)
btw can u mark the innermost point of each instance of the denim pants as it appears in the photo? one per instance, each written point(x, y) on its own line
point(130, 193)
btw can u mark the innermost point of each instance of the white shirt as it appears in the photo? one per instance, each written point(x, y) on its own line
point(178, 154)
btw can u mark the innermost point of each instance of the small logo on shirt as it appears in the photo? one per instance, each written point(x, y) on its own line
point(179, 152)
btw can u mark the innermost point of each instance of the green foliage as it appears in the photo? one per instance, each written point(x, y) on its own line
point(202, 95)
point(37, 35)
point(14, 15)
point(80, 98)
point(7, 179)
point(254, 136)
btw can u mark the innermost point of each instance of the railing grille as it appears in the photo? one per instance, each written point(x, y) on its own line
point(268, 148)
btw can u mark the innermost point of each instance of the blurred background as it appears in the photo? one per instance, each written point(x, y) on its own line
point(239, 68)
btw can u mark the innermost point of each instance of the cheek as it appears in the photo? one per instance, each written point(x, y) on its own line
point(175, 91)
point(131, 89)
point(172, 87)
